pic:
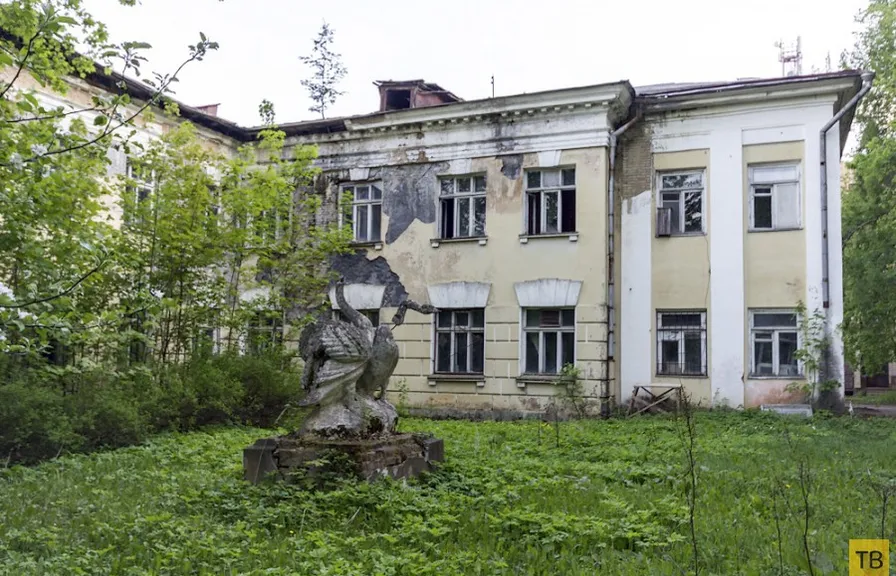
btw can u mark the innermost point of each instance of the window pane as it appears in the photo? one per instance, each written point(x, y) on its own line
point(462, 319)
point(532, 352)
point(376, 217)
point(550, 318)
point(762, 212)
point(479, 216)
point(447, 186)
point(775, 320)
point(460, 352)
point(568, 217)
point(672, 201)
point(771, 174)
point(569, 177)
point(361, 223)
point(376, 193)
point(669, 357)
point(682, 180)
point(533, 179)
point(693, 212)
point(787, 206)
point(448, 218)
point(672, 320)
point(762, 353)
point(551, 213)
point(477, 352)
point(534, 207)
point(463, 217)
point(478, 318)
point(568, 317)
point(550, 353)
point(443, 352)
point(787, 346)
point(362, 193)
point(569, 348)
point(693, 354)
point(444, 320)
point(533, 317)
point(550, 179)
point(463, 185)
point(479, 183)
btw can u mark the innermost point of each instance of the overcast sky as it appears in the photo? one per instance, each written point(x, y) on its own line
point(460, 44)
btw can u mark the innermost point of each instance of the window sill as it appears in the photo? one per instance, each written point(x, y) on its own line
point(795, 377)
point(688, 376)
point(761, 230)
point(481, 240)
point(376, 245)
point(572, 236)
point(478, 379)
point(552, 379)
point(683, 235)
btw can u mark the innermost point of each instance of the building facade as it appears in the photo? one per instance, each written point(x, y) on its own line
point(672, 235)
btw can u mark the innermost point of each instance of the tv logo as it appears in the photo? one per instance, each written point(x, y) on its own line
point(869, 558)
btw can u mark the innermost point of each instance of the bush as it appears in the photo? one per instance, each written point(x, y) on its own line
point(269, 381)
point(105, 416)
point(33, 423)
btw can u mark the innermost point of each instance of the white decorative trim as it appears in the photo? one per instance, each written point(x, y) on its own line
point(549, 159)
point(773, 135)
point(548, 292)
point(361, 296)
point(459, 294)
point(358, 174)
point(636, 307)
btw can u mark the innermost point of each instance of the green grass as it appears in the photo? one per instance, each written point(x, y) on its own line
point(611, 499)
point(875, 398)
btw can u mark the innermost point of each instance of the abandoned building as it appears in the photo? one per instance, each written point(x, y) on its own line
point(661, 236)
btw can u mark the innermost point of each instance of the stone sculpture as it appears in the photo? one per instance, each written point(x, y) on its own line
point(347, 368)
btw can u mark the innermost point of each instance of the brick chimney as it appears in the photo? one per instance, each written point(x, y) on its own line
point(404, 94)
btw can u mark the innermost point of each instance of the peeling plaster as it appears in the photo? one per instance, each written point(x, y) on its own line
point(412, 195)
point(357, 269)
point(512, 165)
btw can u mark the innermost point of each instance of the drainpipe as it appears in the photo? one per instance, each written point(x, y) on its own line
point(867, 79)
point(611, 261)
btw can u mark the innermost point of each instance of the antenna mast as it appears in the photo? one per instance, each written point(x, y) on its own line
point(791, 57)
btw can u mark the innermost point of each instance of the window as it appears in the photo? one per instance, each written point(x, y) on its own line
point(774, 340)
point(265, 331)
point(142, 181)
point(682, 194)
point(551, 201)
point(460, 341)
point(367, 211)
point(372, 314)
point(681, 343)
point(550, 339)
point(775, 197)
point(462, 207)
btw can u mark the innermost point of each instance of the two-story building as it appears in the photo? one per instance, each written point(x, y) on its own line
point(645, 236)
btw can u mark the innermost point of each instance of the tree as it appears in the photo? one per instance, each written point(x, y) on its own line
point(326, 72)
point(869, 201)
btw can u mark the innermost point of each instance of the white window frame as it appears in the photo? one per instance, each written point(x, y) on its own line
point(369, 203)
point(455, 197)
point(149, 186)
point(544, 191)
point(453, 331)
point(541, 330)
point(681, 194)
point(773, 185)
point(677, 334)
point(776, 331)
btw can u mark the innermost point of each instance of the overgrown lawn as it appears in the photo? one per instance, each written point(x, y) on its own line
point(611, 498)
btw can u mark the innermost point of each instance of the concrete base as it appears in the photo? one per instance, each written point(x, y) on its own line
point(789, 409)
point(298, 457)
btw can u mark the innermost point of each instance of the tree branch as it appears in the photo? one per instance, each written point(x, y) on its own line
point(24, 59)
point(65, 292)
point(51, 116)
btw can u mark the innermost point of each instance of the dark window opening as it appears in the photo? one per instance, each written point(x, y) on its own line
point(398, 99)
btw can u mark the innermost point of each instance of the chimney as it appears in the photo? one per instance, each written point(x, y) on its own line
point(405, 94)
point(209, 109)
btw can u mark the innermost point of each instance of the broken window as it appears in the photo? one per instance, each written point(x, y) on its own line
point(682, 194)
point(398, 99)
point(366, 215)
point(775, 341)
point(775, 197)
point(551, 201)
point(681, 343)
point(462, 207)
point(550, 339)
point(371, 314)
point(460, 341)
point(265, 331)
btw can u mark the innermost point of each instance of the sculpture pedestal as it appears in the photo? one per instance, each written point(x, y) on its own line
point(304, 457)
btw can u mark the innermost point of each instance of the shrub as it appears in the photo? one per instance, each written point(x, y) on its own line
point(33, 423)
point(269, 382)
point(105, 416)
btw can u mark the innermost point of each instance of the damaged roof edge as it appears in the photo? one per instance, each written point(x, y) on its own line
point(677, 94)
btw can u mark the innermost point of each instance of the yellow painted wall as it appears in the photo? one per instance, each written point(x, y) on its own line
point(680, 268)
point(502, 262)
point(774, 266)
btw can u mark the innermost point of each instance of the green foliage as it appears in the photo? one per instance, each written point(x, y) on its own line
point(326, 72)
point(610, 500)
